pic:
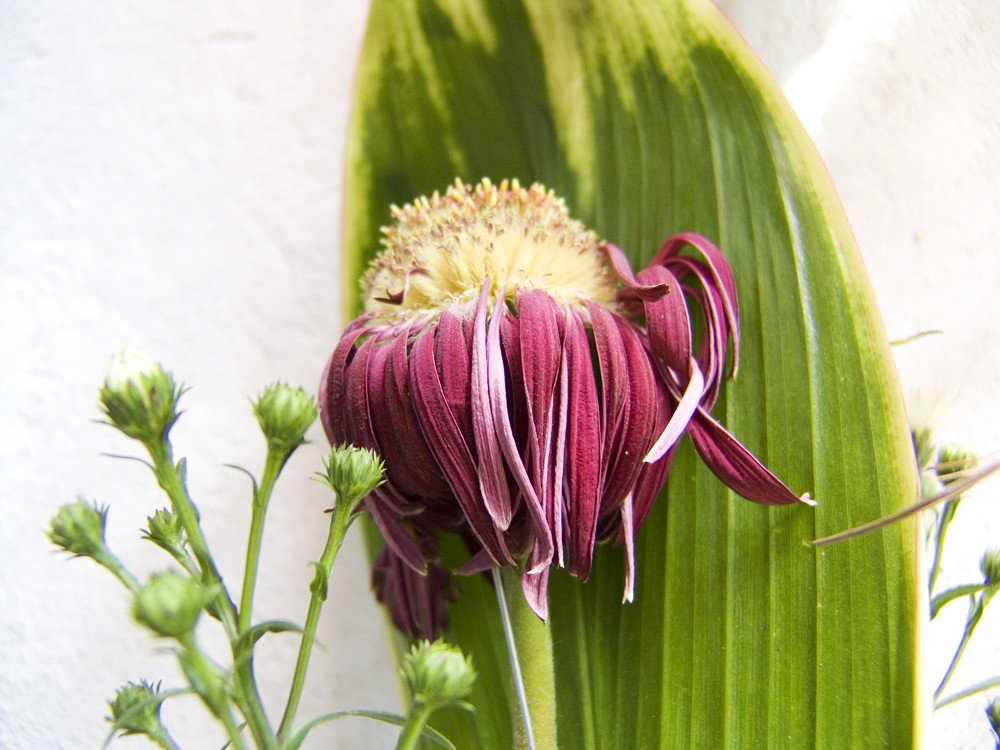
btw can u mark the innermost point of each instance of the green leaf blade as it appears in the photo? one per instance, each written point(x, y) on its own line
point(652, 119)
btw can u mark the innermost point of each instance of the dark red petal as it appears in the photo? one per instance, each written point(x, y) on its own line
point(486, 368)
point(721, 271)
point(398, 430)
point(612, 362)
point(416, 602)
point(448, 443)
point(453, 344)
point(583, 449)
point(541, 351)
point(331, 387)
point(636, 435)
point(622, 269)
point(542, 553)
point(395, 535)
point(734, 465)
point(668, 324)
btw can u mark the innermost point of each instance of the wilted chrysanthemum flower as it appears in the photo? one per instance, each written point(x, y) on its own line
point(526, 390)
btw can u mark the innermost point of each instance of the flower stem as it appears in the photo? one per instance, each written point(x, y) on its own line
point(171, 479)
point(975, 613)
point(529, 641)
point(416, 720)
point(941, 530)
point(205, 680)
point(262, 495)
point(339, 524)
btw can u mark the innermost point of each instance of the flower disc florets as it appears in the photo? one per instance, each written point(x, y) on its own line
point(440, 252)
point(526, 390)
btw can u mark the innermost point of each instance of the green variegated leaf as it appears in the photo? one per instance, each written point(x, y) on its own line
point(653, 118)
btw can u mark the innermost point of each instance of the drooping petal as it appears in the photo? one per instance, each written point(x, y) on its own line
point(680, 418)
point(331, 388)
point(416, 602)
point(641, 289)
point(635, 434)
point(583, 445)
point(420, 476)
point(721, 272)
point(628, 532)
point(492, 476)
point(395, 535)
point(668, 323)
point(540, 355)
point(448, 443)
point(542, 553)
point(734, 465)
point(535, 587)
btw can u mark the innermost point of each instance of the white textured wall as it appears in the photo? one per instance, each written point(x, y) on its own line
point(170, 179)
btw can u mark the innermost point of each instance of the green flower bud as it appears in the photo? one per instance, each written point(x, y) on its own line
point(165, 530)
point(284, 414)
point(170, 604)
point(352, 473)
point(135, 710)
point(993, 715)
point(952, 460)
point(437, 674)
point(139, 397)
point(990, 565)
point(78, 528)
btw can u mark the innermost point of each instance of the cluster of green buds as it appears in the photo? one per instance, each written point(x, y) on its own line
point(139, 398)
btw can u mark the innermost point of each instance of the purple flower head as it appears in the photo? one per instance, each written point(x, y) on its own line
point(526, 390)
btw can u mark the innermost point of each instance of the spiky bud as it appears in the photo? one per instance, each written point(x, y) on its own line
point(352, 473)
point(284, 414)
point(437, 674)
point(139, 397)
point(78, 528)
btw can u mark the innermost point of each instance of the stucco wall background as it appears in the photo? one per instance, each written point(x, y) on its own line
point(170, 179)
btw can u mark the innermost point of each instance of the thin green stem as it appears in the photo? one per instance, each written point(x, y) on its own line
point(247, 695)
point(969, 589)
point(975, 612)
point(530, 643)
point(170, 480)
point(339, 524)
point(979, 687)
point(944, 521)
point(164, 740)
point(114, 565)
point(205, 680)
point(262, 495)
point(416, 720)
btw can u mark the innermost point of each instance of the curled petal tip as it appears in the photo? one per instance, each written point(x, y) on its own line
point(807, 499)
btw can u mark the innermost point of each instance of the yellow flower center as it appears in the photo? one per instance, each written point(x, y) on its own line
point(439, 252)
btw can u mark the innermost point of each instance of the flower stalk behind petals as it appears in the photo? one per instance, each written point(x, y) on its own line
point(531, 649)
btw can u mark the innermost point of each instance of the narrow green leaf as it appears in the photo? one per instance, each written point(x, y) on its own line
point(258, 631)
point(429, 734)
point(652, 118)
